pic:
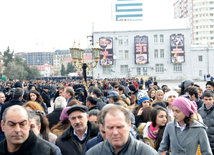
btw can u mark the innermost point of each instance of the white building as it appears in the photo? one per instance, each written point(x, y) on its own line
point(201, 17)
point(127, 10)
point(160, 54)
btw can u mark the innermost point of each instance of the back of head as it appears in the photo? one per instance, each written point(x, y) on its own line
point(90, 89)
point(18, 92)
point(60, 102)
point(33, 105)
point(70, 90)
point(97, 92)
point(73, 102)
point(192, 91)
point(92, 100)
point(115, 83)
point(146, 114)
point(94, 112)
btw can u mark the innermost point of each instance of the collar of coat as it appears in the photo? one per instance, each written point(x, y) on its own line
point(93, 130)
point(142, 129)
point(27, 148)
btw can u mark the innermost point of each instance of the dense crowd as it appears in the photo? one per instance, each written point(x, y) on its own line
point(115, 117)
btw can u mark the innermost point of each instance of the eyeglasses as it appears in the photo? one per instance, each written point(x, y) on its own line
point(38, 112)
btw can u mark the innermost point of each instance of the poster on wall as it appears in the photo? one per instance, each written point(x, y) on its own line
point(106, 54)
point(177, 53)
point(141, 49)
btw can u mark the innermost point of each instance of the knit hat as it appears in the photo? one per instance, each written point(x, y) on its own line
point(186, 106)
point(132, 87)
point(142, 96)
point(18, 84)
point(64, 116)
point(169, 93)
point(184, 84)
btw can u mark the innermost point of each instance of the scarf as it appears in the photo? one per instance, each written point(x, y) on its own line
point(152, 131)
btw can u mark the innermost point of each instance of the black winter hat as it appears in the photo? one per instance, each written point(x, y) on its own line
point(132, 87)
point(18, 84)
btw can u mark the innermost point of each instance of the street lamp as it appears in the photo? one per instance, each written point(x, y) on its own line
point(78, 54)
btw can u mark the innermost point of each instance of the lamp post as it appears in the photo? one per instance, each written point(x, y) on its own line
point(78, 54)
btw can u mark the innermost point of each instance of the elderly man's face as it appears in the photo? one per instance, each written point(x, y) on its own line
point(117, 129)
point(78, 120)
point(16, 127)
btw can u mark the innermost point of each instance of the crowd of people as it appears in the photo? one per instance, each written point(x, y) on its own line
point(115, 117)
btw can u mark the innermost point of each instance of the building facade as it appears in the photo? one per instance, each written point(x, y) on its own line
point(127, 10)
point(60, 56)
point(201, 18)
point(36, 58)
point(160, 58)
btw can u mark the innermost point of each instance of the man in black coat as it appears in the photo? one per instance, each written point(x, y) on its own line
point(74, 138)
point(53, 118)
point(19, 138)
point(97, 93)
point(46, 96)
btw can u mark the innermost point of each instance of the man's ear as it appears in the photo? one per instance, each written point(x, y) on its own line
point(2, 125)
point(39, 128)
point(87, 116)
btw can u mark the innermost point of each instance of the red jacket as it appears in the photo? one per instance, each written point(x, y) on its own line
point(135, 84)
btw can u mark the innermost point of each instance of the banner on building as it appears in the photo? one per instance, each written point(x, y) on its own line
point(106, 54)
point(177, 48)
point(141, 49)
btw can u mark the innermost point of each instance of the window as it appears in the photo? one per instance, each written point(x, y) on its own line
point(120, 38)
point(155, 38)
point(156, 53)
point(162, 53)
point(126, 40)
point(177, 67)
point(106, 70)
point(159, 68)
point(120, 54)
point(138, 71)
point(123, 69)
point(126, 54)
point(200, 58)
point(200, 72)
point(161, 38)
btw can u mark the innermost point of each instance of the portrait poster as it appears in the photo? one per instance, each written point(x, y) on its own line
point(141, 49)
point(106, 54)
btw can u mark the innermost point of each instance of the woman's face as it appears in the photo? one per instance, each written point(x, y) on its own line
point(152, 94)
point(178, 114)
point(160, 96)
point(161, 118)
point(145, 103)
point(171, 99)
point(33, 88)
point(33, 97)
point(200, 93)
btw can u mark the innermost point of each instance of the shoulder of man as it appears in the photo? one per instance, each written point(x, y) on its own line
point(44, 147)
point(98, 149)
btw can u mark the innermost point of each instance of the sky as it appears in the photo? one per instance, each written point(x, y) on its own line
point(48, 25)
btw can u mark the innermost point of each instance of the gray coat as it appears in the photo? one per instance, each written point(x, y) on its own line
point(132, 147)
point(208, 119)
point(195, 135)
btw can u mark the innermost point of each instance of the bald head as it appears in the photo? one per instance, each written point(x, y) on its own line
point(15, 109)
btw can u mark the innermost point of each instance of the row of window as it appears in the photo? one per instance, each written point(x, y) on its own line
point(159, 68)
point(124, 40)
point(156, 53)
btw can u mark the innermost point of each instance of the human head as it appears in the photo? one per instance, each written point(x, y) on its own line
point(192, 92)
point(35, 123)
point(34, 94)
point(151, 93)
point(143, 98)
point(186, 83)
point(121, 89)
point(78, 117)
point(200, 92)
point(93, 116)
point(73, 102)
point(113, 96)
point(32, 105)
point(97, 92)
point(146, 114)
point(170, 96)
point(2, 98)
point(45, 89)
point(90, 90)
point(101, 126)
point(16, 125)
point(60, 102)
point(91, 101)
point(159, 116)
point(68, 93)
point(132, 88)
point(18, 93)
point(210, 85)
point(159, 95)
point(117, 124)
point(208, 98)
point(61, 91)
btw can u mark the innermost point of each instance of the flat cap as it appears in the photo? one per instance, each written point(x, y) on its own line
point(113, 94)
point(77, 108)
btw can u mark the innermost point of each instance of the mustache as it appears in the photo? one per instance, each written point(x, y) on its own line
point(17, 134)
point(78, 124)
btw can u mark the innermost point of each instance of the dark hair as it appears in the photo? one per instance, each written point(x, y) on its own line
point(73, 102)
point(191, 91)
point(140, 87)
point(207, 93)
point(121, 88)
point(38, 96)
point(115, 98)
point(93, 112)
point(154, 114)
point(188, 121)
point(91, 88)
point(61, 88)
point(97, 92)
point(61, 125)
point(92, 100)
point(115, 83)
point(146, 114)
point(150, 92)
point(105, 93)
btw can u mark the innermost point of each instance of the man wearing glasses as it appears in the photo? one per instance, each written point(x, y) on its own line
point(74, 138)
